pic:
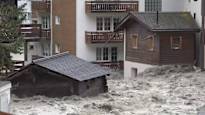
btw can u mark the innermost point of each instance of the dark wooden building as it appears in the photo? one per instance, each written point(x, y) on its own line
point(59, 75)
point(158, 38)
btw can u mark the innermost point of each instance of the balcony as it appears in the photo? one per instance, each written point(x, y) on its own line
point(34, 32)
point(119, 65)
point(104, 37)
point(110, 6)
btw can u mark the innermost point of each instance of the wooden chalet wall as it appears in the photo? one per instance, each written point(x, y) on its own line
point(36, 80)
point(185, 55)
point(93, 87)
point(162, 53)
point(142, 54)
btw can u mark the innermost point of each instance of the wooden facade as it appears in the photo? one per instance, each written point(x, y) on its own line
point(56, 77)
point(184, 55)
point(36, 80)
point(142, 53)
point(158, 43)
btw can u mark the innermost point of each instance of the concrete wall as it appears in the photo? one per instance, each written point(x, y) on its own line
point(129, 68)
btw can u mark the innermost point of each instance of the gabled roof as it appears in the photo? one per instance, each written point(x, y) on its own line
point(167, 21)
point(71, 66)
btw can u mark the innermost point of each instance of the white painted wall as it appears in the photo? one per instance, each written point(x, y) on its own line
point(173, 5)
point(35, 51)
point(5, 96)
point(128, 66)
point(87, 22)
point(194, 7)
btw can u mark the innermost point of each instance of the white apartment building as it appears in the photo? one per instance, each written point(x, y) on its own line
point(35, 28)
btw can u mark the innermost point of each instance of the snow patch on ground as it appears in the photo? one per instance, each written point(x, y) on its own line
point(164, 90)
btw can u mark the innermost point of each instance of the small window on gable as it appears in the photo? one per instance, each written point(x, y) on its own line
point(135, 39)
point(176, 42)
point(150, 43)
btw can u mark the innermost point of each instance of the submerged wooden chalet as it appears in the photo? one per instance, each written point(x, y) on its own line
point(158, 38)
point(59, 75)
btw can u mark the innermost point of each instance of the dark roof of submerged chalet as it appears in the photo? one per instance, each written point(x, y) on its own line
point(167, 21)
point(70, 66)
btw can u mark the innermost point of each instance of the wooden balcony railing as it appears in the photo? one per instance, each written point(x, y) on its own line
point(34, 32)
point(104, 37)
point(46, 33)
point(119, 65)
point(110, 6)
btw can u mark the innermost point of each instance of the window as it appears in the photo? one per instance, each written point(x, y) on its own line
point(98, 54)
point(153, 5)
point(176, 42)
point(46, 49)
point(194, 15)
point(57, 20)
point(105, 54)
point(46, 22)
point(31, 47)
point(114, 54)
point(134, 72)
point(150, 44)
point(28, 16)
point(99, 24)
point(103, 24)
point(115, 22)
point(107, 24)
point(135, 41)
point(57, 48)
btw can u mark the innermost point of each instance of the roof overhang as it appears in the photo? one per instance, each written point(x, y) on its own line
point(176, 30)
point(130, 16)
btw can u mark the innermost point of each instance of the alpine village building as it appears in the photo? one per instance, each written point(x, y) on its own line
point(85, 28)
point(73, 76)
point(158, 39)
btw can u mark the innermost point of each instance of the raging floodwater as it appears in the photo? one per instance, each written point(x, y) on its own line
point(166, 90)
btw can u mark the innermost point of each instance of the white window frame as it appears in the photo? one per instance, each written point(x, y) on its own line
point(174, 46)
point(45, 22)
point(103, 25)
point(57, 20)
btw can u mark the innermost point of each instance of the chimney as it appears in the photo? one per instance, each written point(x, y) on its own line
point(157, 17)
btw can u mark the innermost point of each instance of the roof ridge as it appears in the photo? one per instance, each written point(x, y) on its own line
point(50, 57)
